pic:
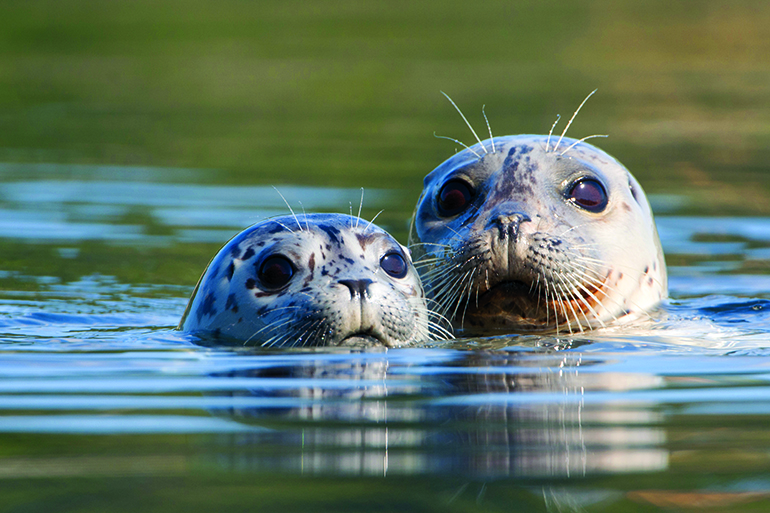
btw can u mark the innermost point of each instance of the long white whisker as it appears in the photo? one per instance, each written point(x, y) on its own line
point(304, 214)
point(465, 119)
point(581, 140)
point(489, 129)
point(550, 132)
point(572, 119)
point(360, 206)
point(290, 209)
point(458, 142)
point(284, 226)
point(372, 221)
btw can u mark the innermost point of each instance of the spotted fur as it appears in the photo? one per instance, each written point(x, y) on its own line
point(340, 292)
point(523, 256)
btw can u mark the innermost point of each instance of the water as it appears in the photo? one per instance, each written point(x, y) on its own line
point(100, 397)
point(137, 137)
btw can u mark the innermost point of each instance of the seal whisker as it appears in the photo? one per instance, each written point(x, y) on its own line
point(360, 206)
point(283, 225)
point(491, 138)
point(560, 302)
point(470, 292)
point(584, 258)
point(444, 293)
point(437, 322)
point(603, 285)
point(270, 327)
point(304, 215)
point(578, 298)
point(290, 209)
point(313, 332)
point(566, 292)
point(591, 294)
point(581, 140)
point(466, 121)
point(372, 221)
point(458, 142)
point(426, 262)
point(438, 332)
point(572, 119)
point(430, 244)
point(455, 296)
point(550, 132)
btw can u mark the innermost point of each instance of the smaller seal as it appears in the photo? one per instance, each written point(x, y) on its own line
point(312, 280)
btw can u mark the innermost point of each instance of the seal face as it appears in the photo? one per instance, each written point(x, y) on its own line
point(512, 236)
point(311, 280)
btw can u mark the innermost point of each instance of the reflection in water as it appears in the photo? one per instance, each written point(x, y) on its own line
point(376, 417)
point(95, 384)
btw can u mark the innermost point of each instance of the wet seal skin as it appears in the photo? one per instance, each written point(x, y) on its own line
point(536, 233)
point(312, 280)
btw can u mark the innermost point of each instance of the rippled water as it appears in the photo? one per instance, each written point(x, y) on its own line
point(99, 395)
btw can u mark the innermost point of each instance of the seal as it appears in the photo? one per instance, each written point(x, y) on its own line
point(312, 280)
point(525, 233)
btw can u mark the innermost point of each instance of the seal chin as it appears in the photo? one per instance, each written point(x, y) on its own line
point(362, 339)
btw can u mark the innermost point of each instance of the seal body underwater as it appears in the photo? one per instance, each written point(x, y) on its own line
point(524, 233)
point(311, 280)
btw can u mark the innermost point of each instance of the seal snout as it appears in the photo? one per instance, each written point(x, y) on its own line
point(507, 224)
point(358, 288)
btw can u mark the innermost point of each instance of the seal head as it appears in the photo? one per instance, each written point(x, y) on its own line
point(311, 280)
point(511, 235)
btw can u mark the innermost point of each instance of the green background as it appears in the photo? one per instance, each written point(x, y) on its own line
point(348, 92)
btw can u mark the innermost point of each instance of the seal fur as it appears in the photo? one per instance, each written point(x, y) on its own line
point(520, 252)
point(312, 280)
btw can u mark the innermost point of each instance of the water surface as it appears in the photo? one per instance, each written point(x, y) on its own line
point(99, 393)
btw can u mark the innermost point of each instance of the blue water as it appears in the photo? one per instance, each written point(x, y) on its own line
point(616, 418)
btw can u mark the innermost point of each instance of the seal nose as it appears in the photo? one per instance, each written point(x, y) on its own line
point(508, 224)
point(357, 287)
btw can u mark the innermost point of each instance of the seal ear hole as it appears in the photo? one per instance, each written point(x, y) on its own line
point(454, 197)
point(275, 272)
point(588, 194)
point(394, 264)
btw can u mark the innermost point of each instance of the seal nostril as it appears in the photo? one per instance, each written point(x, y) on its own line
point(357, 287)
point(508, 224)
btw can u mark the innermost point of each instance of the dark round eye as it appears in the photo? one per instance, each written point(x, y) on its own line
point(454, 197)
point(588, 194)
point(394, 264)
point(275, 272)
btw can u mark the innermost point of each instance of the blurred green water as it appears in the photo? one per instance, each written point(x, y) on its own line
point(347, 93)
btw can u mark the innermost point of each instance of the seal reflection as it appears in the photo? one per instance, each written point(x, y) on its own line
point(481, 414)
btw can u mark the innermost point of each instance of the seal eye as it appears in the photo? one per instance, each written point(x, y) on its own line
point(394, 264)
point(588, 194)
point(454, 197)
point(275, 272)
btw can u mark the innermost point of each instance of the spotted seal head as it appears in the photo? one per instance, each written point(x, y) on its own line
point(521, 233)
point(311, 280)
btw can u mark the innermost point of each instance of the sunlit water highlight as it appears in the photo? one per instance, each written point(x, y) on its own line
point(97, 357)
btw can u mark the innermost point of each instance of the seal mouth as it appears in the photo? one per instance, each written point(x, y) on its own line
point(521, 306)
point(510, 296)
point(509, 304)
point(362, 339)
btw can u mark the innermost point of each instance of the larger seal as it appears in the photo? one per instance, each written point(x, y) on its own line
point(312, 280)
point(519, 234)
